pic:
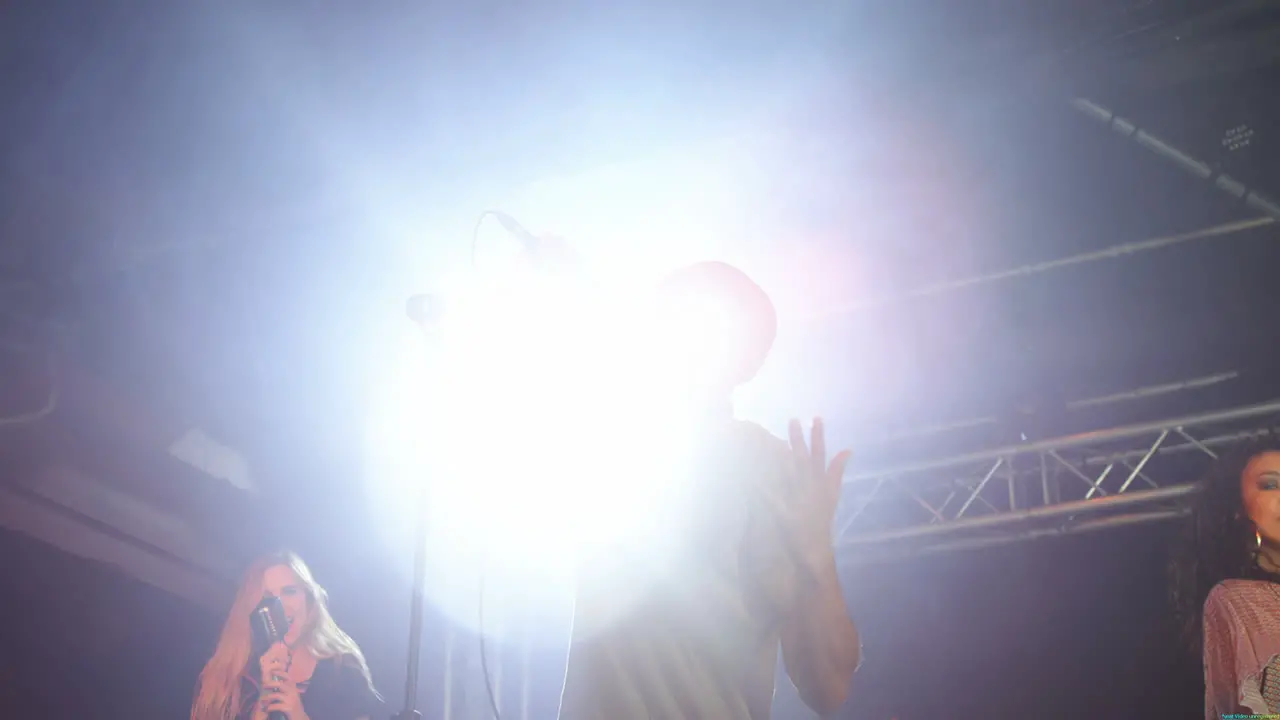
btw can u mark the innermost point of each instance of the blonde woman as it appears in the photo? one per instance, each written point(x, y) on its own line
point(317, 673)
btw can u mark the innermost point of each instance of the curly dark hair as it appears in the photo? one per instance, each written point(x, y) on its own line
point(1218, 541)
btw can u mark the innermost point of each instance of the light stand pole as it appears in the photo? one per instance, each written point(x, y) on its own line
point(424, 311)
point(410, 711)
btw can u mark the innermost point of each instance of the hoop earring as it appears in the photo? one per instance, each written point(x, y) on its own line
point(1257, 534)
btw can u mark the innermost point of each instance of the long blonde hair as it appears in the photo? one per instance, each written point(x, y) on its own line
point(218, 695)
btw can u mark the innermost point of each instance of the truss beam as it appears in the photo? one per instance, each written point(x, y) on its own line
point(1135, 473)
point(1205, 171)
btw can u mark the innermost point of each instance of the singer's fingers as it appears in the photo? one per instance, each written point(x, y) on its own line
point(279, 681)
point(279, 689)
point(818, 448)
point(278, 652)
point(796, 432)
point(835, 473)
point(799, 448)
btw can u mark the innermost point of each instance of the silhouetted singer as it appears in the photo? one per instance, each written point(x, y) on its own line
point(697, 636)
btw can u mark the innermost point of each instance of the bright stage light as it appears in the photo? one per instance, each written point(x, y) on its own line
point(554, 423)
point(554, 426)
point(545, 392)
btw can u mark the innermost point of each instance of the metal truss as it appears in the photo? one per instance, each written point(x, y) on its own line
point(1092, 481)
point(1206, 171)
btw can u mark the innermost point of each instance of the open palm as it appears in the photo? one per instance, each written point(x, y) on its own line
point(812, 494)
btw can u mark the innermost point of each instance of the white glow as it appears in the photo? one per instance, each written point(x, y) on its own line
point(547, 423)
point(640, 218)
point(543, 388)
point(559, 422)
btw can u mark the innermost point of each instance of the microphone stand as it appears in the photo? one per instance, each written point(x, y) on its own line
point(424, 311)
point(410, 711)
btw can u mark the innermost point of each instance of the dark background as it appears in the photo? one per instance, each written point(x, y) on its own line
point(203, 213)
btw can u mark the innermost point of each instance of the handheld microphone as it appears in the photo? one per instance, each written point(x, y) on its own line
point(269, 626)
point(424, 310)
point(530, 241)
point(548, 254)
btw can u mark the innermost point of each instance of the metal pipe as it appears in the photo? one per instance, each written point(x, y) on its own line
point(1071, 441)
point(447, 693)
point(1190, 446)
point(977, 492)
point(1110, 523)
point(526, 666)
point(1143, 462)
point(1110, 253)
point(1151, 391)
point(496, 661)
point(1199, 168)
point(1044, 480)
point(416, 605)
point(1141, 393)
point(1077, 507)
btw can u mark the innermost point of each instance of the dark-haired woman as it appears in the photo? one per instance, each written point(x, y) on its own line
point(1228, 582)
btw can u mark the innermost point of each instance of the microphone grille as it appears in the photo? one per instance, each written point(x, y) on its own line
point(270, 630)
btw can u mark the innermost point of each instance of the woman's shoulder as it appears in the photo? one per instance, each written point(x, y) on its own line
point(355, 672)
point(348, 661)
point(346, 685)
point(1236, 593)
point(346, 666)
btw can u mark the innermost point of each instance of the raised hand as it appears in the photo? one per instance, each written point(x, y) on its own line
point(812, 492)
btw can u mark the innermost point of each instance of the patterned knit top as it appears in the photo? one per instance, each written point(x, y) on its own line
point(1242, 648)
